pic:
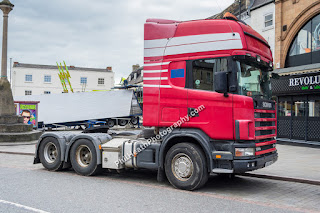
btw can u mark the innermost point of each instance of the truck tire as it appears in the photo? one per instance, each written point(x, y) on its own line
point(111, 123)
point(186, 166)
point(123, 122)
point(134, 121)
point(83, 157)
point(50, 154)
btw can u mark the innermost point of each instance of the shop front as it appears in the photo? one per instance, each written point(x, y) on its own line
point(298, 101)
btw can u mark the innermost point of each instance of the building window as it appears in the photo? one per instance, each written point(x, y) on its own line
point(28, 92)
point(101, 81)
point(28, 78)
point(305, 48)
point(83, 80)
point(47, 92)
point(135, 76)
point(47, 78)
point(268, 20)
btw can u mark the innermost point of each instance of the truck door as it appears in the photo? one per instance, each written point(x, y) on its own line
point(210, 111)
point(173, 94)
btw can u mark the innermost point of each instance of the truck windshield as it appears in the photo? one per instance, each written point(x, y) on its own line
point(253, 81)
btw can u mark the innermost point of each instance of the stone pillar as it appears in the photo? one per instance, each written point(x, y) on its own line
point(6, 10)
point(6, 99)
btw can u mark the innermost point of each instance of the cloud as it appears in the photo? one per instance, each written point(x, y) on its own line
point(96, 33)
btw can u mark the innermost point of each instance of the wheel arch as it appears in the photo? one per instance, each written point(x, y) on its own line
point(95, 138)
point(62, 139)
point(194, 136)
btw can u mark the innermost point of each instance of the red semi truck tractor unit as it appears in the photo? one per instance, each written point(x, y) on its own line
point(206, 92)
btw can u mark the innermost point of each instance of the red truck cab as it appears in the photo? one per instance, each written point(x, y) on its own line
point(208, 81)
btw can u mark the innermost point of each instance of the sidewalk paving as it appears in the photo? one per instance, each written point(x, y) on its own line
point(295, 163)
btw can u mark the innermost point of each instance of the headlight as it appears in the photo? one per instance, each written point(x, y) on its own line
point(240, 152)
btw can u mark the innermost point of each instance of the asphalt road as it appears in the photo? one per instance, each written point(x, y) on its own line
point(25, 187)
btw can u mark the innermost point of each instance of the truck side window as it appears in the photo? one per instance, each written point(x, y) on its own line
point(203, 72)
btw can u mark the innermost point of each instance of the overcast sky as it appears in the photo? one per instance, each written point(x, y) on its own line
point(93, 33)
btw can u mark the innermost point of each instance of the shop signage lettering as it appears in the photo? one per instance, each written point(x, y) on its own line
point(306, 82)
point(27, 106)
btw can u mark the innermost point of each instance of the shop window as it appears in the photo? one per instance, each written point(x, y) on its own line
point(299, 109)
point(285, 108)
point(302, 43)
point(205, 68)
point(305, 48)
point(314, 108)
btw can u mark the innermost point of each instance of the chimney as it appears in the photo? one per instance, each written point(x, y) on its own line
point(135, 67)
point(109, 69)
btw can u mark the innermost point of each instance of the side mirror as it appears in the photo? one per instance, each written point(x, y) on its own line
point(221, 82)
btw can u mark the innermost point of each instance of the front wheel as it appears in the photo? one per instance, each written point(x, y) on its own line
point(50, 154)
point(186, 167)
point(83, 156)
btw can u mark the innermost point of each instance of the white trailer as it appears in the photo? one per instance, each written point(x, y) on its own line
point(71, 109)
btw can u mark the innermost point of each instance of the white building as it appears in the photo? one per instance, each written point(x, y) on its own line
point(34, 79)
point(262, 14)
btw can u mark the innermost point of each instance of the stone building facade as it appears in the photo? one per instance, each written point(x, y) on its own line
point(297, 61)
point(291, 16)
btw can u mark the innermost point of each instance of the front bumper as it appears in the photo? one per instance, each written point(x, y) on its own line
point(241, 166)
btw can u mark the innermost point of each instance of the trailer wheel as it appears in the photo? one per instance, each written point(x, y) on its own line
point(50, 154)
point(83, 158)
point(186, 167)
point(111, 123)
point(123, 122)
point(134, 121)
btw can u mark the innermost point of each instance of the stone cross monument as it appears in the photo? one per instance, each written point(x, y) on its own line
point(12, 128)
point(6, 100)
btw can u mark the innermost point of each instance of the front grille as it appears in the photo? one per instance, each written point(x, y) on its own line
point(265, 131)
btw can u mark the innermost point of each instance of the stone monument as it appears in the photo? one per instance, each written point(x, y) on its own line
point(12, 128)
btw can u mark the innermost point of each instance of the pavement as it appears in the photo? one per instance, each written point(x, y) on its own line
point(295, 163)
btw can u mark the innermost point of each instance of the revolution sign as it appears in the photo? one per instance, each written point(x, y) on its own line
point(307, 82)
point(296, 84)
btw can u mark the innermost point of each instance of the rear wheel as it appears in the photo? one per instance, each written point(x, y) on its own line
point(83, 158)
point(134, 121)
point(50, 154)
point(111, 123)
point(186, 166)
point(123, 122)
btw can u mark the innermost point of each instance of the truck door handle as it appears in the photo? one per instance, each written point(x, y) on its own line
point(192, 112)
